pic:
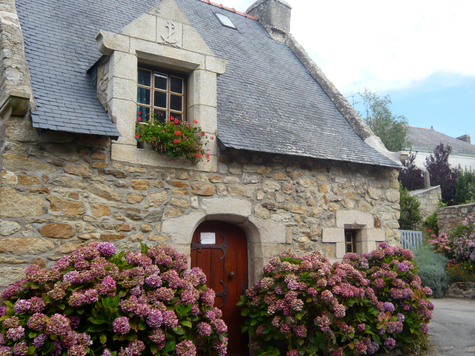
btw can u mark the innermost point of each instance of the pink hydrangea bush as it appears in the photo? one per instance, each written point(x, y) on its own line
point(459, 245)
point(97, 302)
point(305, 304)
point(402, 308)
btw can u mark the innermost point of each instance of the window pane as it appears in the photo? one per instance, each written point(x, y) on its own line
point(160, 115)
point(176, 85)
point(160, 81)
point(160, 99)
point(144, 77)
point(176, 102)
point(349, 237)
point(349, 248)
point(143, 113)
point(143, 96)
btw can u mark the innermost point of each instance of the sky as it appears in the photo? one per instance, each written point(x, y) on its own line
point(419, 52)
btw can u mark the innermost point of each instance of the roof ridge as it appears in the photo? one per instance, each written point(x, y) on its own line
point(232, 9)
point(422, 128)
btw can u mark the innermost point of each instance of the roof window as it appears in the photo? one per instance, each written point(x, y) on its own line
point(225, 21)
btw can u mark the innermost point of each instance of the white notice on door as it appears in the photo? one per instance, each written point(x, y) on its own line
point(208, 238)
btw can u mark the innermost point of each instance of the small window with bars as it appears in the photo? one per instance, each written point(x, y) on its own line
point(160, 95)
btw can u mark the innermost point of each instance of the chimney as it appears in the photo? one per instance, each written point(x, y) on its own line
point(274, 15)
point(464, 138)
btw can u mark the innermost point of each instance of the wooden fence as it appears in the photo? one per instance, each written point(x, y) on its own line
point(411, 240)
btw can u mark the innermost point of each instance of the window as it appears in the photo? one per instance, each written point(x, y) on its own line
point(160, 93)
point(350, 241)
point(225, 21)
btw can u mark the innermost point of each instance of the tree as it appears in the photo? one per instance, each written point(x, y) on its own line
point(441, 173)
point(391, 129)
point(410, 216)
point(465, 188)
point(411, 176)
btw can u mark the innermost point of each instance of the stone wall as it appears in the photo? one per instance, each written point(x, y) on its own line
point(461, 290)
point(15, 88)
point(429, 199)
point(60, 191)
point(450, 216)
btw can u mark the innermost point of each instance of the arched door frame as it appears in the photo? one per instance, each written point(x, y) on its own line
point(266, 238)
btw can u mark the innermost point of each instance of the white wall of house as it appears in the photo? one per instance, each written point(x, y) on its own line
point(465, 161)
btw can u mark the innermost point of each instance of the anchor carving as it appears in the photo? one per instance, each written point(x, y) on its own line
point(223, 247)
point(168, 40)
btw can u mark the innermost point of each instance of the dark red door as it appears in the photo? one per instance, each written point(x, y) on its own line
point(220, 250)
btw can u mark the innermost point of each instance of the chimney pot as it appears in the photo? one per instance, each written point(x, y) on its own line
point(274, 15)
point(464, 138)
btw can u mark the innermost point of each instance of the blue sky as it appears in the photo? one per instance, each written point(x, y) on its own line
point(420, 52)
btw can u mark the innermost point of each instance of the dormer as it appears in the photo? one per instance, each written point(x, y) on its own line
point(158, 64)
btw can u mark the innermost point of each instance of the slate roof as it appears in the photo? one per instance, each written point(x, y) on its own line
point(428, 139)
point(267, 100)
point(60, 47)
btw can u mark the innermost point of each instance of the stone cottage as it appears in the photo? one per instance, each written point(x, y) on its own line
point(293, 167)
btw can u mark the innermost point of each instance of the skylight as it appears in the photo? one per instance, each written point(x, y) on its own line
point(225, 21)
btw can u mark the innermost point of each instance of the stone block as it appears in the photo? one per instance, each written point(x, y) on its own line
point(123, 65)
point(25, 246)
point(9, 275)
point(74, 208)
point(16, 205)
point(226, 207)
point(123, 112)
point(80, 169)
point(68, 182)
point(8, 228)
point(104, 191)
point(109, 42)
point(374, 193)
point(207, 117)
point(333, 234)
point(99, 210)
point(192, 41)
point(205, 189)
point(13, 161)
point(168, 56)
point(113, 236)
point(268, 231)
point(202, 86)
point(354, 217)
point(119, 88)
point(132, 154)
point(180, 229)
point(180, 203)
point(378, 235)
point(142, 27)
point(216, 65)
point(57, 230)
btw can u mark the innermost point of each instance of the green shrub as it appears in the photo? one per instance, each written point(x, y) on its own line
point(432, 270)
point(410, 217)
point(432, 224)
point(465, 188)
point(434, 277)
point(306, 306)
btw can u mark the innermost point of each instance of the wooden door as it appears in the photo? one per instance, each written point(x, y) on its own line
point(220, 250)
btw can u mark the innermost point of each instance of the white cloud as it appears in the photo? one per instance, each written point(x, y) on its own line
point(383, 45)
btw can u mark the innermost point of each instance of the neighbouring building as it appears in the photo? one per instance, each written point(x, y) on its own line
point(293, 167)
point(424, 141)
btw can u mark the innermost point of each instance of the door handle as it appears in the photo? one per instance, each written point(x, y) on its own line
point(231, 275)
